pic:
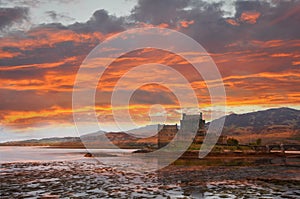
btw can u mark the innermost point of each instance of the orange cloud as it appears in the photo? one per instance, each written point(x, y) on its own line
point(50, 80)
point(250, 17)
point(232, 22)
point(244, 75)
point(38, 67)
point(282, 55)
point(49, 37)
point(276, 43)
point(295, 63)
point(43, 65)
point(163, 25)
point(186, 24)
point(31, 118)
point(4, 54)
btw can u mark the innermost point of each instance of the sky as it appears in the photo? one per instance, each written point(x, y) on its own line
point(254, 44)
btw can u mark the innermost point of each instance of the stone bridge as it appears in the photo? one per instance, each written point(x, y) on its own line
point(281, 147)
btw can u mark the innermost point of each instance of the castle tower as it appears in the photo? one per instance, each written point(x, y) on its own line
point(189, 120)
point(188, 124)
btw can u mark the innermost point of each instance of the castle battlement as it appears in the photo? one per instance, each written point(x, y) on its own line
point(188, 123)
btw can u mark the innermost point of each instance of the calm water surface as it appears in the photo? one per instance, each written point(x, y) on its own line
point(32, 154)
point(35, 172)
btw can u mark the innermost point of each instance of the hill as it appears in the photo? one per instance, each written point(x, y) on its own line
point(65, 142)
point(272, 126)
point(120, 139)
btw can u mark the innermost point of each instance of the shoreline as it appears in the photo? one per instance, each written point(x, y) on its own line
point(189, 157)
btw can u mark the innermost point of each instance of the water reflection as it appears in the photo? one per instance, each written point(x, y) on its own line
point(211, 177)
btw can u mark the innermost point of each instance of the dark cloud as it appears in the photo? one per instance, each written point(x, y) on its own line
point(54, 51)
point(33, 3)
point(274, 20)
point(160, 96)
point(58, 16)
point(157, 12)
point(31, 100)
point(23, 73)
point(277, 21)
point(209, 28)
point(102, 22)
point(10, 16)
point(208, 24)
point(46, 54)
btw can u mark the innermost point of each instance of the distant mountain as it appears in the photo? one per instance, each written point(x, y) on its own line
point(65, 142)
point(281, 125)
point(278, 125)
point(120, 139)
point(272, 125)
point(145, 131)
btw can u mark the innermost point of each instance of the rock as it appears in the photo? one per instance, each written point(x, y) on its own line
point(88, 155)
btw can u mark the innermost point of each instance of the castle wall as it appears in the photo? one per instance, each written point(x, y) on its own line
point(166, 134)
point(188, 124)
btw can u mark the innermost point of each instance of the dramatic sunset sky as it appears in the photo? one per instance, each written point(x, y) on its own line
point(255, 45)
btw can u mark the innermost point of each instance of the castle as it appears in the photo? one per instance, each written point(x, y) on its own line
point(166, 133)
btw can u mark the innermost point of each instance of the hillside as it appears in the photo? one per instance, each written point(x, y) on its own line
point(272, 125)
point(66, 142)
point(120, 139)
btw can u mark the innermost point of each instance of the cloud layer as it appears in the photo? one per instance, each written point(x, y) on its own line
point(256, 51)
point(11, 16)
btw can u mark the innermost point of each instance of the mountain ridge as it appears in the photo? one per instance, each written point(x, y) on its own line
point(273, 125)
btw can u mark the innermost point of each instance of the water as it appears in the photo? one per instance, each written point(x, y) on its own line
point(121, 159)
point(10, 154)
point(36, 172)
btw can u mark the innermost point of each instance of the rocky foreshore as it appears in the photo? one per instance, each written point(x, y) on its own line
point(79, 179)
